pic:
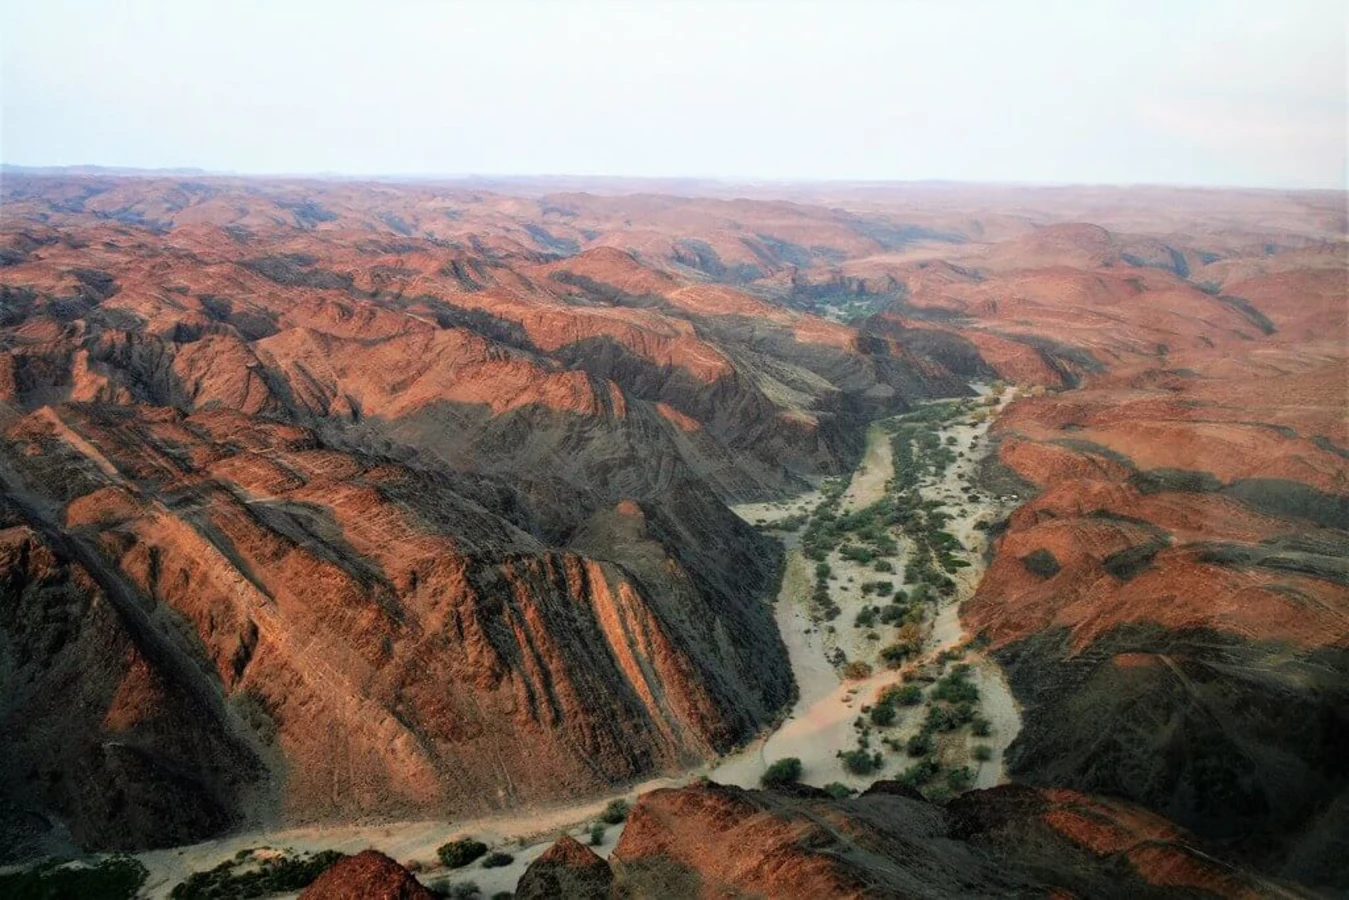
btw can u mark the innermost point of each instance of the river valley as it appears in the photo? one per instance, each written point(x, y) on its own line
point(843, 665)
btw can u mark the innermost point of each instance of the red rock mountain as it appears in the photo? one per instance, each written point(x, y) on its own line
point(366, 876)
point(326, 500)
point(714, 841)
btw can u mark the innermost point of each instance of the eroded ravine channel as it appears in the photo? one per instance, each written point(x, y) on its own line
point(842, 660)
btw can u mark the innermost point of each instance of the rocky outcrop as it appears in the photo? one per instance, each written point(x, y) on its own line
point(134, 747)
point(1187, 649)
point(369, 875)
point(566, 869)
point(713, 841)
point(395, 666)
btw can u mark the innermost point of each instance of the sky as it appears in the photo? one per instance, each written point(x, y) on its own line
point(1216, 92)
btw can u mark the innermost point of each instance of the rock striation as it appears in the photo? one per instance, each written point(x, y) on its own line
point(325, 501)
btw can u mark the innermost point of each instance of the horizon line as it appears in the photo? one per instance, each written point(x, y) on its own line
point(112, 171)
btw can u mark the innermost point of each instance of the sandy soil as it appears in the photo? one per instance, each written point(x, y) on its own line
point(868, 481)
point(524, 834)
point(818, 726)
point(821, 722)
point(995, 695)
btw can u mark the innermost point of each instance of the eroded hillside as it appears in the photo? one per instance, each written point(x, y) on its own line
point(329, 499)
point(423, 521)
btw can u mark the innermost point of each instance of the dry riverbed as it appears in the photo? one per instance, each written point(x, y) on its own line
point(820, 724)
point(824, 720)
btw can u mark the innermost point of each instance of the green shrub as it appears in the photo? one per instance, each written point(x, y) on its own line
point(496, 859)
point(883, 565)
point(980, 727)
point(903, 694)
point(893, 655)
point(457, 854)
point(615, 812)
point(883, 715)
point(920, 773)
point(247, 876)
point(838, 790)
point(892, 613)
point(956, 687)
point(920, 744)
point(860, 762)
point(960, 779)
point(1041, 563)
point(948, 718)
point(938, 793)
point(784, 771)
point(597, 833)
point(983, 753)
point(857, 670)
point(118, 877)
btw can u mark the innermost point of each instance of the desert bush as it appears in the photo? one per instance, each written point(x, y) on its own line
point(838, 790)
point(246, 876)
point(960, 779)
point(883, 715)
point(860, 762)
point(114, 878)
point(784, 771)
point(893, 655)
point(597, 834)
point(920, 773)
point(938, 794)
point(1042, 563)
point(857, 554)
point(497, 859)
point(902, 695)
point(956, 687)
point(892, 613)
point(457, 854)
point(920, 744)
point(948, 718)
point(857, 670)
point(910, 634)
point(615, 812)
point(983, 753)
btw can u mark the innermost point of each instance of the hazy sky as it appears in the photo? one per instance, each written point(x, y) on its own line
point(1181, 91)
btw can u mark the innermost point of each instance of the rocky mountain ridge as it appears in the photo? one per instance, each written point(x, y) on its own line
point(331, 499)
